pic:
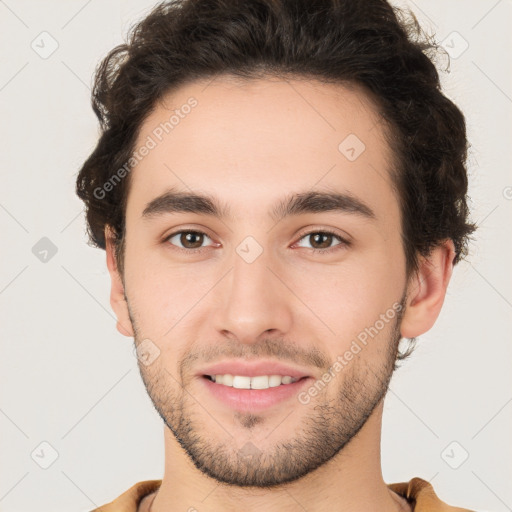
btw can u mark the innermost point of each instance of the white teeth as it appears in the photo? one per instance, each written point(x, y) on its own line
point(227, 379)
point(257, 382)
point(260, 382)
point(241, 382)
point(274, 381)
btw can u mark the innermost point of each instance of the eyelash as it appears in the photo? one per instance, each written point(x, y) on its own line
point(343, 241)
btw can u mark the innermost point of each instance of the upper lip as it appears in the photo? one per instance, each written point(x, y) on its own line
point(253, 368)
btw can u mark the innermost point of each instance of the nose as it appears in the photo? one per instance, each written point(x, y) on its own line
point(253, 301)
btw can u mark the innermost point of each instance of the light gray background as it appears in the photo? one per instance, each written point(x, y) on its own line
point(69, 379)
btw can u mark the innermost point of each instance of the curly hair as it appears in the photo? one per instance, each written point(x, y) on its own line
point(369, 44)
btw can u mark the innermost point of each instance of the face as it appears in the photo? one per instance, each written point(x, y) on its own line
point(286, 259)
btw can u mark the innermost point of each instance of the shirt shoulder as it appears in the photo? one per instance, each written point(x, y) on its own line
point(130, 499)
point(421, 495)
point(418, 492)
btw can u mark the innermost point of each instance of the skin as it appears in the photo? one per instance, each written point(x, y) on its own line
point(250, 145)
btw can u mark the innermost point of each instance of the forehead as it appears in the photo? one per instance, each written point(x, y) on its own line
point(251, 141)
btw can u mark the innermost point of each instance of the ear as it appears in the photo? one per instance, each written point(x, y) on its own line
point(117, 300)
point(427, 289)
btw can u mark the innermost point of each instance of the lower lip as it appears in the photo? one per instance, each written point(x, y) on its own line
point(251, 400)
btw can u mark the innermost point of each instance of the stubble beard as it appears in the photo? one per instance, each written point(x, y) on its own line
point(328, 424)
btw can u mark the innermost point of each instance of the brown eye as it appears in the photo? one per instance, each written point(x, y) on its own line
point(187, 239)
point(322, 241)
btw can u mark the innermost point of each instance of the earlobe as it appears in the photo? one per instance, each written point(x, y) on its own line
point(117, 295)
point(123, 331)
point(427, 289)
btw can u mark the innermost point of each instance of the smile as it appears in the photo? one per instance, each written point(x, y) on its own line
point(257, 382)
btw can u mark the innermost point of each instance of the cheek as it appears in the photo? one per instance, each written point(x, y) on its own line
point(349, 298)
point(162, 295)
point(153, 293)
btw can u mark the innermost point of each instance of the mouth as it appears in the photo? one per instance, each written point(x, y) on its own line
point(254, 382)
point(253, 385)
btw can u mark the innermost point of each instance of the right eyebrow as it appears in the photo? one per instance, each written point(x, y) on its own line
point(173, 201)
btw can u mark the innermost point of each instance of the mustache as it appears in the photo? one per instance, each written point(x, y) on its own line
point(267, 348)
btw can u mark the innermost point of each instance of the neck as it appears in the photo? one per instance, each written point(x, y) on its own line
point(351, 481)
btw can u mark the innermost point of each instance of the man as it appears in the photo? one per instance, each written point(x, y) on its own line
point(280, 187)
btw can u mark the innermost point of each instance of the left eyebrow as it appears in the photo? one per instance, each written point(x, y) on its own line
point(319, 202)
point(295, 204)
